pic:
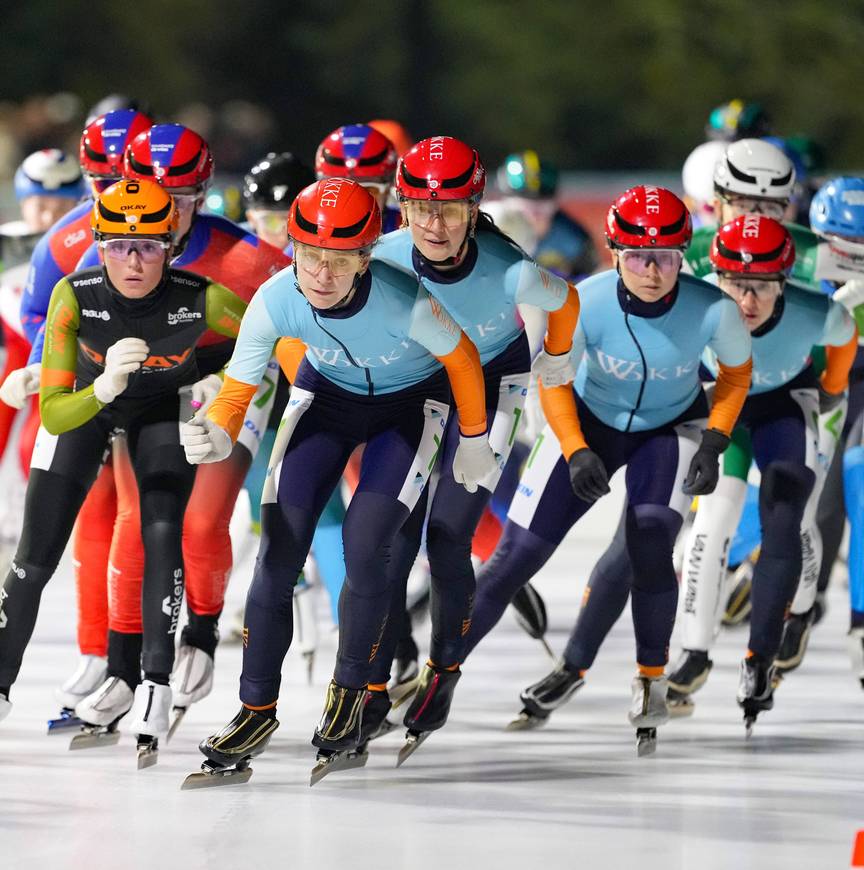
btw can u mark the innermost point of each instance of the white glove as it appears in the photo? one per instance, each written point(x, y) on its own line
point(474, 459)
point(554, 371)
point(122, 358)
point(20, 384)
point(204, 441)
point(851, 294)
point(203, 392)
point(535, 419)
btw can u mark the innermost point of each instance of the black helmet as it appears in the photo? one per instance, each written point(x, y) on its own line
point(275, 181)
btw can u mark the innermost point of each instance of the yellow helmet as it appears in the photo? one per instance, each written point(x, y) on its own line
point(140, 208)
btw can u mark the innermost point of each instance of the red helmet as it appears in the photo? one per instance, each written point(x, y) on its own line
point(335, 213)
point(441, 168)
point(356, 151)
point(171, 155)
point(648, 217)
point(104, 141)
point(754, 245)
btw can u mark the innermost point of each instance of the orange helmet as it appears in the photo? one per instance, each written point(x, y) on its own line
point(395, 132)
point(335, 213)
point(132, 207)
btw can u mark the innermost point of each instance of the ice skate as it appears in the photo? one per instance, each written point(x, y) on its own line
point(230, 750)
point(690, 674)
point(149, 720)
point(647, 711)
point(406, 670)
point(755, 689)
point(86, 679)
point(338, 733)
point(375, 723)
point(738, 605)
point(429, 708)
point(191, 681)
point(546, 695)
point(855, 643)
point(793, 645)
point(100, 714)
point(530, 612)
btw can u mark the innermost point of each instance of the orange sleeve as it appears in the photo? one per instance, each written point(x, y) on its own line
point(559, 406)
point(839, 361)
point(229, 407)
point(730, 393)
point(562, 325)
point(469, 389)
point(290, 353)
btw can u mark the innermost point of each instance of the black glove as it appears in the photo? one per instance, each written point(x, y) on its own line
point(829, 401)
point(588, 475)
point(705, 465)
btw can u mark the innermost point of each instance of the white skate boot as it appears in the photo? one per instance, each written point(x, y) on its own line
point(648, 710)
point(86, 679)
point(151, 710)
point(191, 681)
point(99, 714)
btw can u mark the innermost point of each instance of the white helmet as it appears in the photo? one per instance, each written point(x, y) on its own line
point(751, 167)
point(698, 172)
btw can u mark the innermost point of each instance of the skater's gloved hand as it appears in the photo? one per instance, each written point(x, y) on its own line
point(588, 475)
point(204, 441)
point(554, 370)
point(705, 466)
point(20, 384)
point(122, 358)
point(535, 419)
point(205, 391)
point(850, 295)
point(830, 401)
point(474, 459)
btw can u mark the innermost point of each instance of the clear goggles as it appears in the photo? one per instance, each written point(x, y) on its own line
point(771, 208)
point(423, 212)
point(149, 250)
point(639, 260)
point(761, 288)
point(339, 264)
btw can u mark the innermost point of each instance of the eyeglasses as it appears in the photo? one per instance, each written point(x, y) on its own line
point(761, 288)
point(772, 208)
point(149, 250)
point(271, 222)
point(186, 202)
point(453, 214)
point(339, 263)
point(639, 260)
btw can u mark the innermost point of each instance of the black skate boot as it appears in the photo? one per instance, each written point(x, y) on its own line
point(793, 645)
point(230, 750)
point(405, 669)
point(689, 675)
point(531, 615)
point(375, 723)
point(755, 689)
point(546, 695)
point(429, 707)
point(338, 732)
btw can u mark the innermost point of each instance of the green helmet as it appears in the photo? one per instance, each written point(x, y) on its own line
point(524, 174)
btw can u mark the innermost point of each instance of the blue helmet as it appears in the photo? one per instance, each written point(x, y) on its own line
point(793, 153)
point(837, 208)
point(50, 172)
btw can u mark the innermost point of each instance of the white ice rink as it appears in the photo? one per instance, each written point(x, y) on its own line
point(573, 795)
